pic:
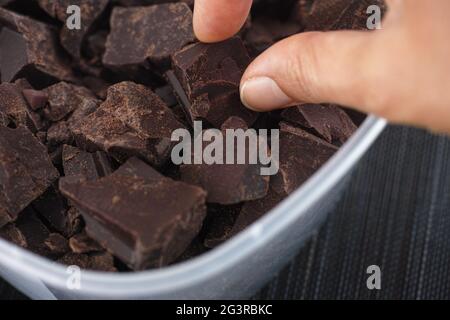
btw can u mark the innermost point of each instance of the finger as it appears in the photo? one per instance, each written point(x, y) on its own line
point(217, 20)
point(334, 67)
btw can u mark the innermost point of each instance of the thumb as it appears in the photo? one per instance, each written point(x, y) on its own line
point(316, 67)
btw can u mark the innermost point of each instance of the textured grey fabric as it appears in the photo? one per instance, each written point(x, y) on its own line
point(396, 214)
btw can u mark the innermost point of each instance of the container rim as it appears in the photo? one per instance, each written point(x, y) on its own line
point(186, 274)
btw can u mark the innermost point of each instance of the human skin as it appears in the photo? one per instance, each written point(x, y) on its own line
point(401, 72)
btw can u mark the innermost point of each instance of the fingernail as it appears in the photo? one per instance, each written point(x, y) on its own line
point(263, 93)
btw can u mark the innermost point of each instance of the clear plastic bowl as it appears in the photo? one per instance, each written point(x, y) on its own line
point(236, 269)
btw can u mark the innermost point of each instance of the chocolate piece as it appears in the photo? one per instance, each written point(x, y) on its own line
point(32, 50)
point(234, 123)
point(59, 134)
point(148, 33)
point(219, 224)
point(53, 209)
point(211, 68)
point(166, 94)
point(97, 261)
point(253, 210)
point(14, 235)
point(13, 105)
point(228, 184)
point(330, 122)
point(64, 98)
point(25, 171)
point(72, 40)
point(133, 121)
point(86, 166)
point(301, 155)
point(36, 99)
point(82, 243)
point(324, 15)
point(57, 244)
point(131, 213)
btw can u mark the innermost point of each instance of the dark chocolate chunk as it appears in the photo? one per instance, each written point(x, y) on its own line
point(166, 94)
point(57, 244)
point(234, 123)
point(151, 33)
point(32, 50)
point(15, 107)
point(82, 243)
point(324, 15)
point(219, 224)
point(133, 121)
point(12, 234)
point(64, 98)
point(36, 99)
point(25, 171)
point(4, 121)
point(96, 261)
point(228, 184)
point(133, 215)
point(211, 68)
point(330, 122)
point(301, 155)
point(53, 209)
point(59, 134)
point(72, 40)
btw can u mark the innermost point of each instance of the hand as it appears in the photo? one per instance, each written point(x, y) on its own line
point(401, 72)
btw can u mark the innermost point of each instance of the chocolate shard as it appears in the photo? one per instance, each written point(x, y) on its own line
point(78, 163)
point(96, 261)
point(64, 98)
point(133, 121)
point(36, 99)
point(329, 121)
point(324, 15)
point(25, 170)
point(82, 243)
point(301, 155)
point(32, 50)
point(59, 134)
point(15, 107)
point(53, 209)
point(4, 120)
point(131, 213)
point(57, 244)
point(12, 234)
point(228, 184)
point(211, 68)
point(72, 39)
point(253, 210)
point(217, 110)
point(151, 33)
point(219, 224)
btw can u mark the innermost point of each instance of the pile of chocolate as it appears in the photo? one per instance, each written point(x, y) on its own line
point(86, 118)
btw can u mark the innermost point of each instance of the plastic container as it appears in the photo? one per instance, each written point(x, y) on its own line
point(237, 269)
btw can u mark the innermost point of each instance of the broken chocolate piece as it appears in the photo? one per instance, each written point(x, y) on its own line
point(59, 134)
point(64, 98)
point(4, 121)
point(133, 121)
point(330, 122)
point(82, 243)
point(25, 170)
point(301, 155)
point(53, 209)
point(33, 50)
point(151, 33)
point(57, 244)
point(211, 68)
point(36, 99)
point(13, 105)
point(14, 235)
point(133, 215)
point(72, 40)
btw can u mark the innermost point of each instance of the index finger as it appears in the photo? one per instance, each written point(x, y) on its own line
point(217, 20)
